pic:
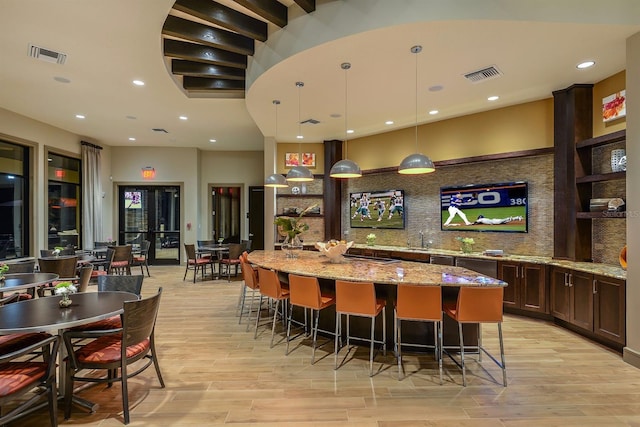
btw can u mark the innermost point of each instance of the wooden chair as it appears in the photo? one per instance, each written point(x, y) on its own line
point(63, 266)
point(114, 351)
point(418, 303)
point(477, 305)
point(121, 263)
point(359, 299)
point(36, 373)
point(22, 267)
point(231, 259)
point(305, 292)
point(84, 277)
point(141, 259)
point(271, 287)
point(196, 263)
point(104, 263)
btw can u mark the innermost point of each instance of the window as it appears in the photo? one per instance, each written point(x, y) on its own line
point(14, 200)
point(64, 201)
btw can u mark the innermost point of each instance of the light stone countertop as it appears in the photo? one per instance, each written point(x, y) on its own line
point(313, 263)
point(607, 270)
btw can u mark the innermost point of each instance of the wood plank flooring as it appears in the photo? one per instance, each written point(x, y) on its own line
point(217, 374)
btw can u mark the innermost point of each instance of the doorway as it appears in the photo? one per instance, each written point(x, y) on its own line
point(226, 215)
point(148, 212)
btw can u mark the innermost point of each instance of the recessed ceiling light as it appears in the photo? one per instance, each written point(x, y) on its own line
point(138, 82)
point(300, 137)
point(213, 140)
point(434, 112)
point(61, 79)
point(388, 122)
point(493, 98)
point(80, 116)
point(50, 159)
point(131, 138)
point(585, 64)
point(183, 117)
point(436, 88)
point(349, 130)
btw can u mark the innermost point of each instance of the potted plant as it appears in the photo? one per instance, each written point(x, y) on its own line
point(65, 289)
point(293, 227)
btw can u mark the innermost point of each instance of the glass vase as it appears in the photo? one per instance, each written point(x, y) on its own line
point(466, 248)
point(65, 301)
point(292, 245)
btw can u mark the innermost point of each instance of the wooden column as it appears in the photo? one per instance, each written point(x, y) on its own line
point(573, 122)
point(332, 191)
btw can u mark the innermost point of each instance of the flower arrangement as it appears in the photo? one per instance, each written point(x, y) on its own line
point(371, 239)
point(3, 269)
point(293, 226)
point(65, 288)
point(466, 244)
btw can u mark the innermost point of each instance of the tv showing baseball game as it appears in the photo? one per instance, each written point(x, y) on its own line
point(485, 207)
point(377, 209)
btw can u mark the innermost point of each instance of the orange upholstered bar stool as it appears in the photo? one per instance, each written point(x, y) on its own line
point(478, 305)
point(422, 304)
point(250, 276)
point(271, 287)
point(305, 292)
point(359, 299)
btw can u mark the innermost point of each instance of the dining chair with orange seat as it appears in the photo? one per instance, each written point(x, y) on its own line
point(477, 305)
point(141, 258)
point(114, 351)
point(418, 303)
point(250, 276)
point(104, 263)
point(305, 292)
point(359, 299)
point(271, 287)
point(37, 373)
point(121, 263)
point(196, 263)
point(63, 266)
point(231, 259)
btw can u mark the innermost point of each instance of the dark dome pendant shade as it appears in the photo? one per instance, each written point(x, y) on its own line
point(418, 163)
point(345, 168)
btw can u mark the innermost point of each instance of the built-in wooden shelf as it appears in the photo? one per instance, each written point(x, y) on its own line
point(601, 177)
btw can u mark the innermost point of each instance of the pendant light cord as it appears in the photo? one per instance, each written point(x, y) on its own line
point(346, 66)
point(416, 50)
point(299, 85)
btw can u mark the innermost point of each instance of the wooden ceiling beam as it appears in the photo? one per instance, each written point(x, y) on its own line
point(307, 5)
point(205, 84)
point(210, 36)
point(200, 53)
point(225, 17)
point(271, 10)
point(198, 69)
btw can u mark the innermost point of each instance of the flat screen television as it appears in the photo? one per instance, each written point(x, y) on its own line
point(485, 207)
point(377, 209)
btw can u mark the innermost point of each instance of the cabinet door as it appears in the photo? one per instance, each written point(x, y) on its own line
point(533, 295)
point(581, 297)
point(560, 293)
point(508, 272)
point(609, 308)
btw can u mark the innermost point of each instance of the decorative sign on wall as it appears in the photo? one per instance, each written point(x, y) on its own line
point(614, 106)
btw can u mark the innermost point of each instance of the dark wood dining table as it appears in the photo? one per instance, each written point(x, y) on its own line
point(216, 251)
point(25, 281)
point(45, 314)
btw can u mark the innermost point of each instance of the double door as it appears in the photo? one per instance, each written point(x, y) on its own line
point(149, 212)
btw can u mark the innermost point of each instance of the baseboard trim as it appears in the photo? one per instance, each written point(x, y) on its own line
point(630, 356)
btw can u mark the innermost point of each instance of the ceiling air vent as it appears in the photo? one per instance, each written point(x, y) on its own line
point(47, 55)
point(482, 75)
point(159, 130)
point(309, 122)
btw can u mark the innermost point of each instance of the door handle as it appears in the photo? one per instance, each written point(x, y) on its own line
point(570, 279)
point(595, 289)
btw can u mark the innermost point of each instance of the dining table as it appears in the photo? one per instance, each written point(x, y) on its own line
point(25, 281)
point(216, 250)
point(46, 315)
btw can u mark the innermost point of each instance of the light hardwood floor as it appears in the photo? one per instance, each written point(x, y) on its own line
point(216, 373)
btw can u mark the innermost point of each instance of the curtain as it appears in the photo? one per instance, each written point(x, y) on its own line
point(91, 195)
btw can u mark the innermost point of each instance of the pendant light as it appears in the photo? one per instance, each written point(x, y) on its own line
point(299, 173)
point(345, 168)
point(417, 163)
point(276, 180)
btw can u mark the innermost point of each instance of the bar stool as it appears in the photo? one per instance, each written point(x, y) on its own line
point(305, 292)
point(422, 304)
point(359, 299)
point(478, 305)
point(250, 276)
point(270, 287)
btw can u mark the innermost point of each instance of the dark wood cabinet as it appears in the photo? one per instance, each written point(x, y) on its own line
point(527, 286)
point(590, 302)
point(609, 308)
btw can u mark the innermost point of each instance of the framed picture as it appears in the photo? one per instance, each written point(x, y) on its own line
point(291, 160)
point(614, 106)
point(309, 160)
